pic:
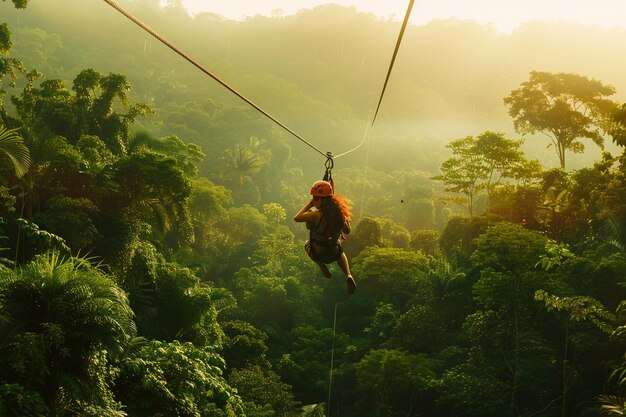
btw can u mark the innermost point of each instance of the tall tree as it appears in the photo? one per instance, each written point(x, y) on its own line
point(505, 256)
point(482, 163)
point(566, 107)
point(502, 158)
point(461, 173)
point(572, 310)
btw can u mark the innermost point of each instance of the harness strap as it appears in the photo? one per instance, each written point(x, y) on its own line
point(330, 237)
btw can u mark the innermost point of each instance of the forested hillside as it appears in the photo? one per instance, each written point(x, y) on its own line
point(150, 266)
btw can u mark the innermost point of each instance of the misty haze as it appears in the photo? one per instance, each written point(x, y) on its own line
point(465, 253)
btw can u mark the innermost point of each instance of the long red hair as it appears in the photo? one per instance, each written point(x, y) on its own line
point(343, 204)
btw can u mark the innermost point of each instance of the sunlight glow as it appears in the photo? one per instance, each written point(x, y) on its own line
point(505, 15)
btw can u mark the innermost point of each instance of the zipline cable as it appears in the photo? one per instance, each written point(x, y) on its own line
point(206, 71)
point(382, 93)
point(365, 169)
point(365, 135)
point(393, 59)
point(183, 54)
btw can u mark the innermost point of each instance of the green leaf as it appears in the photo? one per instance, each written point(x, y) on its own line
point(13, 146)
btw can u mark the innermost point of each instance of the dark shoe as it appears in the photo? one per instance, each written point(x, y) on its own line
point(351, 285)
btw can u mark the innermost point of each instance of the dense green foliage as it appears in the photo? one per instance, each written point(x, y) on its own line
point(196, 297)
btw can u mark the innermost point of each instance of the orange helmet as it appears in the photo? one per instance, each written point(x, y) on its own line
point(321, 189)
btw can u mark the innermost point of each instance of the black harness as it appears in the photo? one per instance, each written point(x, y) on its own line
point(323, 245)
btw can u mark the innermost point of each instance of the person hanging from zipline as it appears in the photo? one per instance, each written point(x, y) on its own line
point(327, 216)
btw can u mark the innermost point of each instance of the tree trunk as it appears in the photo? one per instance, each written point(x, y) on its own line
point(561, 152)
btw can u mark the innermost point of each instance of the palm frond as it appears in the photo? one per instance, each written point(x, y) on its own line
point(612, 404)
point(13, 147)
point(159, 212)
point(140, 139)
point(614, 233)
point(222, 299)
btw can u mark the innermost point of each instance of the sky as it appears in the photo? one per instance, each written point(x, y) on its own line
point(505, 15)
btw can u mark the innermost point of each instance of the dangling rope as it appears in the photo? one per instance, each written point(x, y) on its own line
point(332, 360)
point(206, 71)
point(382, 93)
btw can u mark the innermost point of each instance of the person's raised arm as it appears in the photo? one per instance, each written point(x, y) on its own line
point(305, 214)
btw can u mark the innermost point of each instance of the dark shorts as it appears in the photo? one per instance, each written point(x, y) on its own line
point(327, 255)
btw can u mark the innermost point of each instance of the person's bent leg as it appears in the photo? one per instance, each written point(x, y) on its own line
point(344, 264)
point(324, 269)
point(310, 251)
point(345, 267)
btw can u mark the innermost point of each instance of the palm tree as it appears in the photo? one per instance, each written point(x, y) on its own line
point(243, 161)
point(63, 321)
point(12, 145)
